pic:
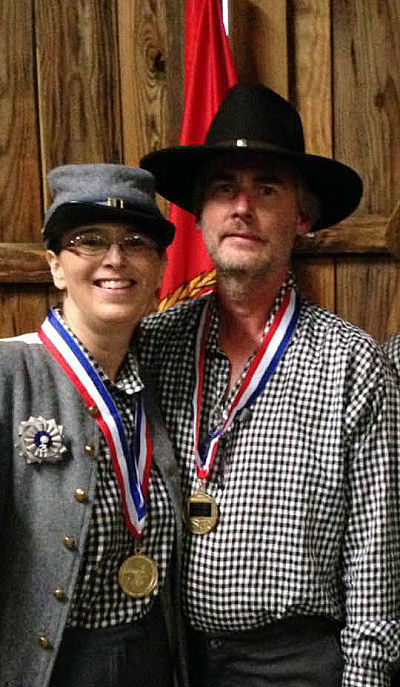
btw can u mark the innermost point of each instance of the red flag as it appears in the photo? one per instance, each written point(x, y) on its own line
point(208, 74)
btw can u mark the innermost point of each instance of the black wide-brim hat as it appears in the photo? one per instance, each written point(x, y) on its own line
point(253, 120)
point(100, 193)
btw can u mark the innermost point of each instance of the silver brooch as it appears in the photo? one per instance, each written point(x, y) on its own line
point(41, 440)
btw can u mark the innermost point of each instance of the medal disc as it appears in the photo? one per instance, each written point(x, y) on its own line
point(138, 575)
point(201, 513)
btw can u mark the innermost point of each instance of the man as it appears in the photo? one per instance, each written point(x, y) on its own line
point(392, 348)
point(283, 418)
point(89, 494)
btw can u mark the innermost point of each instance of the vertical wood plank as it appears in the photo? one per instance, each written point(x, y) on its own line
point(258, 33)
point(316, 278)
point(367, 115)
point(312, 69)
point(22, 308)
point(312, 93)
point(20, 195)
point(78, 82)
point(369, 294)
point(151, 60)
point(367, 96)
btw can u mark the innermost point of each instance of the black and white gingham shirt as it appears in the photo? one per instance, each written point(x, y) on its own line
point(306, 484)
point(98, 599)
point(392, 348)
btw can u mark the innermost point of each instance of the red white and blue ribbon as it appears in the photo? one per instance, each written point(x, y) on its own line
point(276, 340)
point(131, 463)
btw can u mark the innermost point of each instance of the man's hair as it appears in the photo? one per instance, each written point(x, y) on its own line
point(307, 202)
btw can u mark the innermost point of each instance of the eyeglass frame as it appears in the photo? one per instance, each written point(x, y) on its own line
point(147, 243)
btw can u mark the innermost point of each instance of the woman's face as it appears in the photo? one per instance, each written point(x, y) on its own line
point(105, 284)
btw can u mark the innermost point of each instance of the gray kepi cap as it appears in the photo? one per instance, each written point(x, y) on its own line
point(91, 193)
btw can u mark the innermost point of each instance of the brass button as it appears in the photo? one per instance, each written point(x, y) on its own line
point(59, 593)
point(80, 495)
point(69, 542)
point(44, 641)
point(90, 450)
point(93, 411)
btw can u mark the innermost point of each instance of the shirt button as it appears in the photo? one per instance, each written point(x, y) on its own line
point(90, 450)
point(59, 593)
point(44, 641)
point(93, 411)
point(80, 495)
point(216, 643)
point(69, 542)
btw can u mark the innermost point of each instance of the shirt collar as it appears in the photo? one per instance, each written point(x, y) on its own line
point(212, 345)
point(128, 379)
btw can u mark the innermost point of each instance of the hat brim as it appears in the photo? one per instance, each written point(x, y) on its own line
point(337, 186)
point(79, 213)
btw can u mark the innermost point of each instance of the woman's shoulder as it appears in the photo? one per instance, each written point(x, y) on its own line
point(16, 352)
point(30, 338)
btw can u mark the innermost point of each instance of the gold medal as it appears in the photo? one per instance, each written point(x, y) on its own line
point(201, 513)
point(138, 575)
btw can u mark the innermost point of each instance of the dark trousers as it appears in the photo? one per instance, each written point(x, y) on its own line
point(122, 656)
point(396, 677)
point(297, 652)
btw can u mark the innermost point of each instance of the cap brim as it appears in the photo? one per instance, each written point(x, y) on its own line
point(337, 186)
point(73, 214)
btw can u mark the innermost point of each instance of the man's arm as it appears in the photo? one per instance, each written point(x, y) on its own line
point(371, 573)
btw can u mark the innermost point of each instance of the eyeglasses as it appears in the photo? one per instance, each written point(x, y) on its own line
point(94, 244)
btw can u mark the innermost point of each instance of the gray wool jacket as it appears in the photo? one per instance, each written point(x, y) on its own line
point(43, 527)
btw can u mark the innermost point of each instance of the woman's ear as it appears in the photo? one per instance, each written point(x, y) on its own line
point(56, 269)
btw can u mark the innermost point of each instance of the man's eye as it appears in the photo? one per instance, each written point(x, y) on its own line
point(222, 187)
point(265, 189)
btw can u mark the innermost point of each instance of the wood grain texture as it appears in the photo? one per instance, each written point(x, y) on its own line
point(312, 72)
point(316, 279)
point(367, 96)
point(150, 47)
point(78, 79)
point(22, 263)
point(368, 293)
point(311, 91)
point(20, 194)
point(393, 232)
point(151, 38)
point(354, 235)
point(22, 309)
point(258, 33)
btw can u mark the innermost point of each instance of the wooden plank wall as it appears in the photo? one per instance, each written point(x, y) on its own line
point(89, 81)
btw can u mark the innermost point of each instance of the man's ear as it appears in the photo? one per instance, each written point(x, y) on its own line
point(56, 269)
point(304, 225)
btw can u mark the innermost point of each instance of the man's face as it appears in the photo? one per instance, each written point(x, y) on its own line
point(250, 217)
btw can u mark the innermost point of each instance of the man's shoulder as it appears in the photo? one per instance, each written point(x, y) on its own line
point(325, 323)
point(338, 339)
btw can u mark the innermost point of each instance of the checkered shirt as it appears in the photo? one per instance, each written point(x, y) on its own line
point(392, 349)
point(98, 600)
point(305, 483)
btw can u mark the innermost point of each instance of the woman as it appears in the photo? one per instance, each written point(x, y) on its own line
point(89, 497)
